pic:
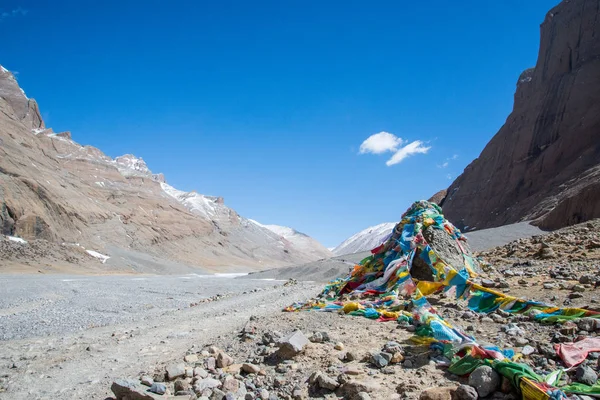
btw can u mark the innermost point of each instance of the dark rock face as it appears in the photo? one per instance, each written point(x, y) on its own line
point(438, 198)
point(544, 163)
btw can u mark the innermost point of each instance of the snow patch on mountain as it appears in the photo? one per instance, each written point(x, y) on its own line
point(301, 241)
point(207, 206)
point(366, 239)
point(129, 163)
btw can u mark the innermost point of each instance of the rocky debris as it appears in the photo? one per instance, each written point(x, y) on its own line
point(586, 375)
point(175, 371)
point(319, 337)
point(131, 390)
point(158, 388)
point(223, 360)
point(438, 393)
point(292, 344)
point(485, 380)
point(465, 392)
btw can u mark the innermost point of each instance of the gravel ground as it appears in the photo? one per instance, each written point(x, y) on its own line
point(80, 360)
point(39, 305)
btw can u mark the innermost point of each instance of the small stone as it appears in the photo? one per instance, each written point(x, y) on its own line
point(181, 385)
point(485, 380)
point(588, 324)
point(578, 288)
point(353, 370)
point(351, 356)
point(128, 389)
point(353, 388)
point(217, 394)
point(224, 360)
point(158, 388)
point(200, 372)
point(407, 364)
point(586, 375)
point(521, 341)
point(397, 358)
point(527, 350)
point(146, 380)
point(175, 371)
point(317, 337)
point(437, 393)
point(575, 295)
point(206, 383)
point(264, 394)
point(488, 283)
point(250, 368)
point(292, 344)
point(339, 346)
point(465, 392)
point(378, 360)
point(326, 382)
point(211, 363)
point(363, 396)
point(230, 384)
point(190, 358)
point(392, 347)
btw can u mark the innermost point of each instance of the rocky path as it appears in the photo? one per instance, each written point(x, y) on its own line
point(151, 321)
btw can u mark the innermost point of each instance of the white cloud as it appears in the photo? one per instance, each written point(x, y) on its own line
point(454, 157)
point(449, 177)
point(13, 13)
point(381, 142)
point(444, 165)
point(415, 147)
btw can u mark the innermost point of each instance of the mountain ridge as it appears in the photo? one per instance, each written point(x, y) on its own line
point(56, 190)
point(544, 163)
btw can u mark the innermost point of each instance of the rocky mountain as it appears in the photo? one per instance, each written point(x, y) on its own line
point(544, 163)
point(75, 206)
point(299, 240)
point(365, 240)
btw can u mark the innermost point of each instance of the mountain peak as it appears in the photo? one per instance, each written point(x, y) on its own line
point(24, 108)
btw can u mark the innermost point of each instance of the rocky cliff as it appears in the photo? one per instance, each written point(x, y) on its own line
point(544, 163)
point(59, 192)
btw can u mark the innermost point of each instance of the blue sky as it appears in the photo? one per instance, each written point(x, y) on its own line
point(267, 103)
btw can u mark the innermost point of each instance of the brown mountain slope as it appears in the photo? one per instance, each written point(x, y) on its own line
point(53, 189)
point(544, 163)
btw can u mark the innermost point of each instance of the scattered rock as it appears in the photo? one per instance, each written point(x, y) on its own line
point(379, 360)
point(250, 368)
point(158, 388)
point(130, 390)
point(224, 360)
point(146, 380)
point(465, 392)
point(206, 383)
point(353, 388)
point(585, 375)
point(485, 380)
point(292, 344)
point(175, 371)
point(181, 385)
point(190, 358)
point(326, 382)
point(437, 393)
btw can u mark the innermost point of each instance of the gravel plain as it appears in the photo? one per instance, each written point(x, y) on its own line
point(39, 305)
point(101, 328)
